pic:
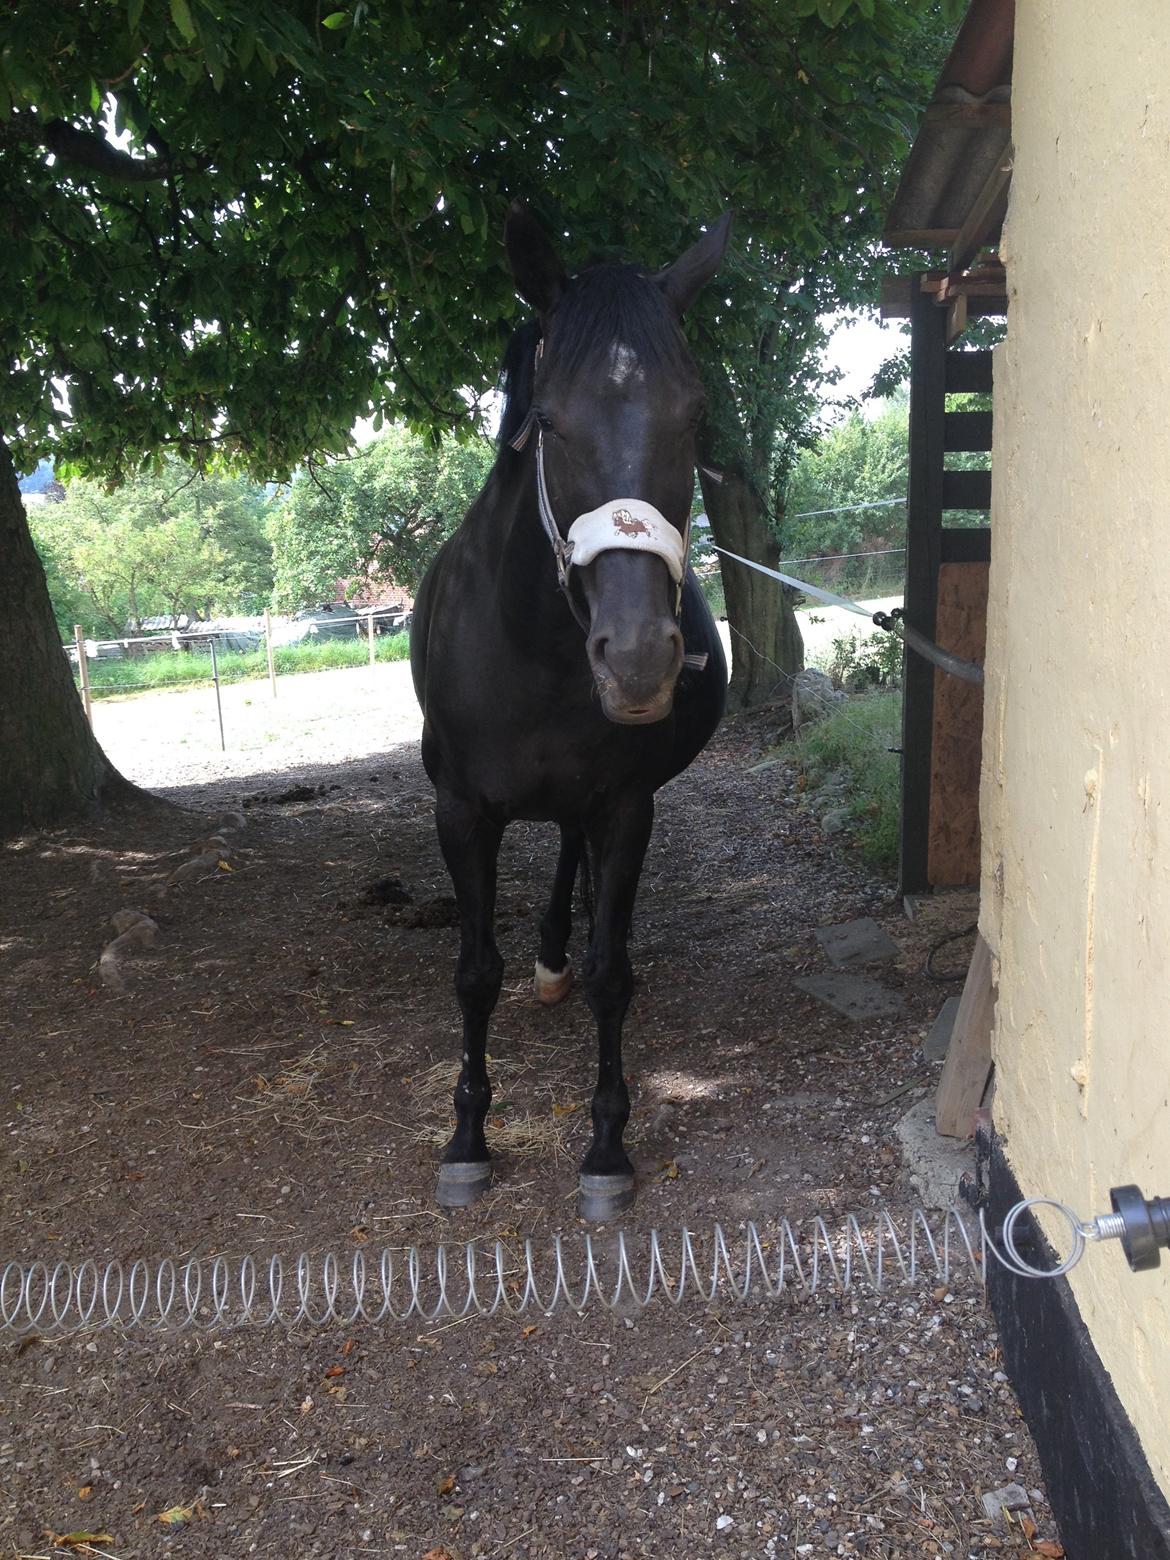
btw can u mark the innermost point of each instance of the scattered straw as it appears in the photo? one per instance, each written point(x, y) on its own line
point(518, 1123)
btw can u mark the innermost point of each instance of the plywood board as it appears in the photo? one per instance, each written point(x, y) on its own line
point(957, 729)
point(968, 1064)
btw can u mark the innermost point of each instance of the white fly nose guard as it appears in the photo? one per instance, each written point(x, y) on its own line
point(628, 525)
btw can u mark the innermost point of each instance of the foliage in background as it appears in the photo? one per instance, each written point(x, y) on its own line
point(856, 662)
point(855, 741)
point(860, 461)
point(167, 542)
point(839, 496)
point(362, 527)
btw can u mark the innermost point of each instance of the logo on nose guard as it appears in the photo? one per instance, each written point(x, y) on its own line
point(625, 524)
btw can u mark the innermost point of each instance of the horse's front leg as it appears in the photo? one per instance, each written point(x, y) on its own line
point(619, 840)
point(470, 844)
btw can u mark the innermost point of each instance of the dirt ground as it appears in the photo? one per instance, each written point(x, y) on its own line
point(273, 1076)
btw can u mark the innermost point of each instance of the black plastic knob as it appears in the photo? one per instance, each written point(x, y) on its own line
point(1146, 1226)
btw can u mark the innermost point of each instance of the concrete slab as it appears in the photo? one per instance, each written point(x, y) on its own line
point(935, 1163)
point(934, 1047)
point(853, 943)
point(855, 996)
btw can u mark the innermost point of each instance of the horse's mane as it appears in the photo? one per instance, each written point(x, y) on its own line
point(601, 306)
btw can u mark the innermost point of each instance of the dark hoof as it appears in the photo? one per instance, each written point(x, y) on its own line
point(461, 1184)
point(603, 1197)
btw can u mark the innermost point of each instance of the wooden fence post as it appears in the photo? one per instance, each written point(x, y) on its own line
point(371, 635)
point(83, 671)
point(268, 647)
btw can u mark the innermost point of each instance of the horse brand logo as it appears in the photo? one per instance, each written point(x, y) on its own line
point(625, 524)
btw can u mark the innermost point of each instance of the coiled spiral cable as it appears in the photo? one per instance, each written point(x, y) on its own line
point(620, 1273)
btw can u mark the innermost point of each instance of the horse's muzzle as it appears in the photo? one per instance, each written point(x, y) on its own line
point(636, 677)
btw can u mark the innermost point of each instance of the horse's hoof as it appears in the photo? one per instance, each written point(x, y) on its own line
point(551, 987)
point(463, 1183)
point(603, 1197)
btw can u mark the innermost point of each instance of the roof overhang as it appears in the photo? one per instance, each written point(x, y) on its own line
point(954, 188)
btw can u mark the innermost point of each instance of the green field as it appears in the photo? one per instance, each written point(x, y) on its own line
point(176, 668)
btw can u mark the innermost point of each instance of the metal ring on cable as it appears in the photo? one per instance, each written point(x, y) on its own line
point(1019, 1265)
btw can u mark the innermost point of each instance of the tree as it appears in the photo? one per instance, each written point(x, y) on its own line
point(376, 521)
point(846, 494)
point(166, 542)
point(298, 225)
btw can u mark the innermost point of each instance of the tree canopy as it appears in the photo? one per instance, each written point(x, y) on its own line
point(236, 226)
point(372, 524)
point(300, 221)
point(167, 542)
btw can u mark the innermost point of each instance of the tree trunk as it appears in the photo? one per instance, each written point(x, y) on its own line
point(766, 646)
point(51, 769)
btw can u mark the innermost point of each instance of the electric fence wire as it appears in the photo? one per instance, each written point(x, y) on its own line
point(619, 1273)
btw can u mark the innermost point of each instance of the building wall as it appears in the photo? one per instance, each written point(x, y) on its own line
point(1076, 771)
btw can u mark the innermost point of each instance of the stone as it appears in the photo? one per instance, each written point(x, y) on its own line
point(835, 820)
point(1012, 1497)
point(855, 942)
point(855, 996)
point(813, 697)
point(935, 1163)
point(934, 1047)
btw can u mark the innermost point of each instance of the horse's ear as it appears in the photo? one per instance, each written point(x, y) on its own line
point(536, 267)
point(683, 281)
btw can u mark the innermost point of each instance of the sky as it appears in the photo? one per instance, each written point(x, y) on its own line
point(858, 346)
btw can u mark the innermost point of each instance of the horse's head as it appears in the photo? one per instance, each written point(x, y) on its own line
point(618, 402)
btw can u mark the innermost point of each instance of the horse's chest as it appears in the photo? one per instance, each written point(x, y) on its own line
point(555, 770)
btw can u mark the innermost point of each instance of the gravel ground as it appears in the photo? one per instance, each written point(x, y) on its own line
point(266, 1083)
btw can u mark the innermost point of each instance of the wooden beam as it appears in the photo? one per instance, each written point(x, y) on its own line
point(985, 291)
point(966, 490)
point(920, 238)
point(923, 525)
point(956, 318)
point(968, 1064)
point(967, 431)
point(968, 373)
point(985, 218)
point(965, 544)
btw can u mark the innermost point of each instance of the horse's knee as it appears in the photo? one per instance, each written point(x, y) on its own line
point(478, 982)
point(609, 984)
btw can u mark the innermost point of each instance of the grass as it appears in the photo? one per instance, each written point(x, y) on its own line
point(856, 740)
point(170, 668)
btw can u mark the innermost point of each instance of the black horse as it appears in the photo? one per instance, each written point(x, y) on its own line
point(563, 655)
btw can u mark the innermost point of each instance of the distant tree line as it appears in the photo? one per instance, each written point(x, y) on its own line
point(172, 542)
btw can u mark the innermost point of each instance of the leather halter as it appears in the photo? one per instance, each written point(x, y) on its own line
point(620, 525)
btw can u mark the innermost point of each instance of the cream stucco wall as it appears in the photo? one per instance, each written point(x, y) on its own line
point(1076, 789)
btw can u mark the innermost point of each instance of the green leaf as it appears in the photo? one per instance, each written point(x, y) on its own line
point(181, 16)
point(134, 14)
point(335, 19)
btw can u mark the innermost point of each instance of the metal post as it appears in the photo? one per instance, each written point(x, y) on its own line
point(268, 647)
point(83, 670)
point(371, 634)
point(218, 704)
